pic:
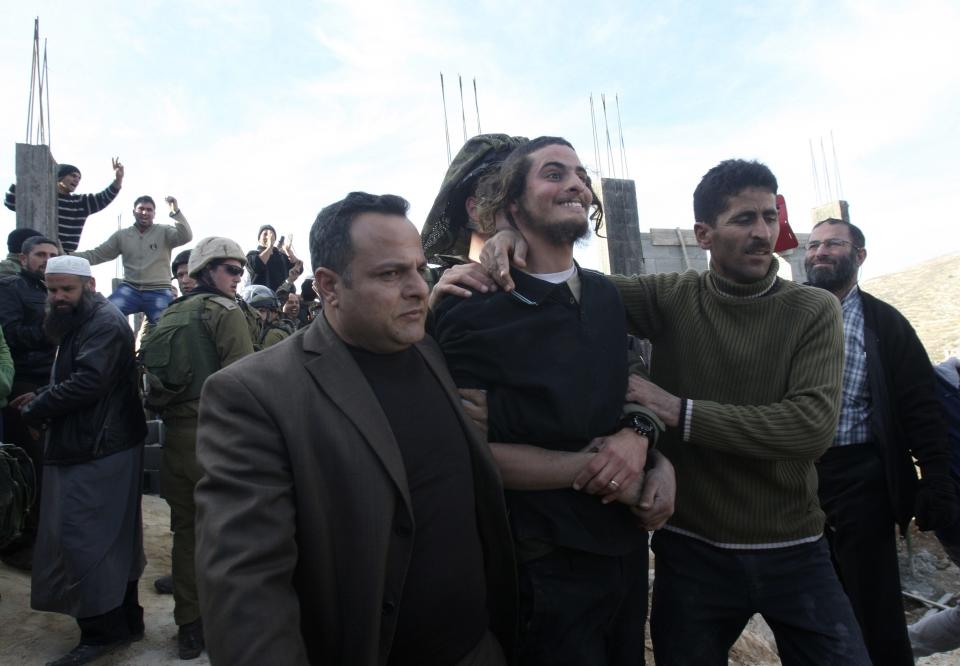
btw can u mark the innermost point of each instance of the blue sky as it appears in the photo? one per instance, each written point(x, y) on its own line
point(257, 112)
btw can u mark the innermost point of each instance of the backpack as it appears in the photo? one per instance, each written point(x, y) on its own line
point(18, 488)
point(178, 355)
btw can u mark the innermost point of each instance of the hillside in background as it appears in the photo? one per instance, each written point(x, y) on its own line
point(927, 294)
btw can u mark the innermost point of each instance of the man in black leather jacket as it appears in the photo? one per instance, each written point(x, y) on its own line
point(22, 299)
point(89, 551)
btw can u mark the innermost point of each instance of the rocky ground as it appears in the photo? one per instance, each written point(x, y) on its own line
point(28, 637)
point(924, 570)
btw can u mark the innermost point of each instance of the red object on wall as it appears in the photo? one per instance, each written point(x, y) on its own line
point(787, 240)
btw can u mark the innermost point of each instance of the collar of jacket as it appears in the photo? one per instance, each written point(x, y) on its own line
point(532, 290)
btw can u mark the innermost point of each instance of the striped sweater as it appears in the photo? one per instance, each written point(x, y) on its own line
point(72, 212)
point(761, 367)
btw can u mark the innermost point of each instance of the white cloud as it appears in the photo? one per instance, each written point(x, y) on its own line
point(255, 112)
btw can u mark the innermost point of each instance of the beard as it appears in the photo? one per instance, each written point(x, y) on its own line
point(559, 233)
point(832, 277)
point(57, 324)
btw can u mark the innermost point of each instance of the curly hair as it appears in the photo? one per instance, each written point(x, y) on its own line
point(496, 191)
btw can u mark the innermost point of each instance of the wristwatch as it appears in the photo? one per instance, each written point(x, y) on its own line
point(640, 425)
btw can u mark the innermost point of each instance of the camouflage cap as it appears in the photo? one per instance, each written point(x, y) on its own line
point(444, 231)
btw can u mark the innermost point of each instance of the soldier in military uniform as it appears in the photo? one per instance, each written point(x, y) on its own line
point(273, 328)
point(198, 334)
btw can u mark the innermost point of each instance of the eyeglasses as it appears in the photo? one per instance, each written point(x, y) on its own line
point(830, 244)
point(233, 270)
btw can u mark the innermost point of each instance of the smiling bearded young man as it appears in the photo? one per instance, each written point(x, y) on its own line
point(551, 358)
point(747, 375)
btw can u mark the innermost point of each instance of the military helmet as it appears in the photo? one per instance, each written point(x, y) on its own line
point(260, 296)
point(213, 248)
point(179, 260)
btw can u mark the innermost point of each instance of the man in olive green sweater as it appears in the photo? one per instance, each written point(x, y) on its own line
point(747, 373)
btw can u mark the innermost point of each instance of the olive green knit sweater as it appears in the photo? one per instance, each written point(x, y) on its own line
point(762, 366)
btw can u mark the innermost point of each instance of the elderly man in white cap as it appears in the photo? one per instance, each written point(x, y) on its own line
point(89, 551)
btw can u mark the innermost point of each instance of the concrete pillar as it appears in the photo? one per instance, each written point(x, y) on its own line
point(836, 210)
point(622, 224)
point(37, 189)
point(796, 258)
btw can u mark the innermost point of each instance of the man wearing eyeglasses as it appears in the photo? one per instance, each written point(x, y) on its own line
point(889, 416)
point(197, 335)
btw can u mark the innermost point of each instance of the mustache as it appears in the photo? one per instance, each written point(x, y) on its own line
point(758, 245)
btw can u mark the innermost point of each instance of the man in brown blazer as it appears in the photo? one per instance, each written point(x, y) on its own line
point(358, 519)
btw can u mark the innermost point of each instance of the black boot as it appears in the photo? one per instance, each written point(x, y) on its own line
point(190, 639)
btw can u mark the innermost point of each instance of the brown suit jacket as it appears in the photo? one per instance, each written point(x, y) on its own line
point(304, 520)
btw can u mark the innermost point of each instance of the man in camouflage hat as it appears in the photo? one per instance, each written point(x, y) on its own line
point(196, 335)
point(452, 233)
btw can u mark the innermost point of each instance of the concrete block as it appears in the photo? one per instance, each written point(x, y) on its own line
point(837, 210)
point(672, 237)
point(36, 189)
point(622, 224)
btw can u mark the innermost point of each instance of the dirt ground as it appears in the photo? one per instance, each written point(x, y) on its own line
point(31, 637)
point(28, 637)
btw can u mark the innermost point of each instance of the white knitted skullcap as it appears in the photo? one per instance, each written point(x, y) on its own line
point(69, 265)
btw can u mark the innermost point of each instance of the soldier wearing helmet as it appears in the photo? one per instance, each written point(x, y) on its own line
point(198, 334)
point(180, 268)
point(273, 328)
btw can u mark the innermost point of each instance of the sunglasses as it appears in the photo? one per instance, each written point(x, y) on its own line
point(233, 270)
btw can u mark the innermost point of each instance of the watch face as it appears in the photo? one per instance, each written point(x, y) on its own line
point(643, 426)
point(640, 425)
